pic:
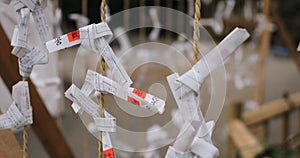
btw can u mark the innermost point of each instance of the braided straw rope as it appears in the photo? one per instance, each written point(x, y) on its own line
point(25, 137)
point(102, 71)
point(25, 142)
point(197, 17)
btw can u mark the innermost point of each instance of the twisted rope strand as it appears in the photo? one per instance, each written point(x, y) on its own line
point(102, 71)
point(196, 35)
point(25, 142)
point(25, 136)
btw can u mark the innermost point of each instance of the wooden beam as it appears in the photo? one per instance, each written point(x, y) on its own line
point(235, 22)
point(284, 126)
point(44, 126)
point(244, 140)
point(261, 130)
point(235, 109)
point(288, 42)
point(9, 146)
point(234, 112)
point(286, 37)
point(269, 110)
point(264, 51)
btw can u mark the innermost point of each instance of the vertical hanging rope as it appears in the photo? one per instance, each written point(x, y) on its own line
point(103, 10)
point(55, 7)
point(25, 137)
point(86, 143)
point(102, 71)
point(196, 36)
point(84, 10)
point(157, 3)
point(84, 7)
point(169, 20)
point(126, 15)
point(180, 23)
point(142, 21)
point(25, 142)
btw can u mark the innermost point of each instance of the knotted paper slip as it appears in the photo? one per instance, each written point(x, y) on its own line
point(95, 38)
point(19, 113)
point(29, 56)
point(195, 136)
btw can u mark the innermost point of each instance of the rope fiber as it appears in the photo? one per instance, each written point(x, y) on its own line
point(25, 136)
point(196, 35)
point(102, 71)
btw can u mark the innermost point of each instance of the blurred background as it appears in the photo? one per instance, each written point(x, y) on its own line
point(261, 113)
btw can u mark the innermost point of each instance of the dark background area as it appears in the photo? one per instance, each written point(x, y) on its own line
point(288, 9)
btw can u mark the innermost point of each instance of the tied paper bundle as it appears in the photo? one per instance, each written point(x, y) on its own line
point(132, 95)
point(194, 138)
point(19, 113)
point(94, 38)
point(96, 82)
point(29, 56)
point(82, 102)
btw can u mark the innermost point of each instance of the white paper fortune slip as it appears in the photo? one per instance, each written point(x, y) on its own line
point(87, 89)
point(18, 4)
point(188, 143)
point(86, 103)
point(172, 153)
point(188, 104)
point(21, 31)
point(41, 23)
point(298, 49)
point(22, 98)
point(108, 150)
point(93, 37)
point(203, 149)
point(23, 7)
point(184, 140)
point(195, 77)
point(107, 124)
point(90, 32)
point(19, 113)
point(132, 95)
point(32, 58)
point(28, 57)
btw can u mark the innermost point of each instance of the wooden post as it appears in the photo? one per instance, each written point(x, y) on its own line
point(264, 51)
point(284, 128)
point(289, 43)
point(142, 30)
point(126, 14)
point(180, 22)
point(269, 110)
point(261, 130)
point(9, 146)
point(234, 113)
point(245, 141)
point(286, 37)
point(44, 126)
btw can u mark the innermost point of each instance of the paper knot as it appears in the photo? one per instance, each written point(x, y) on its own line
point(32, 58)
